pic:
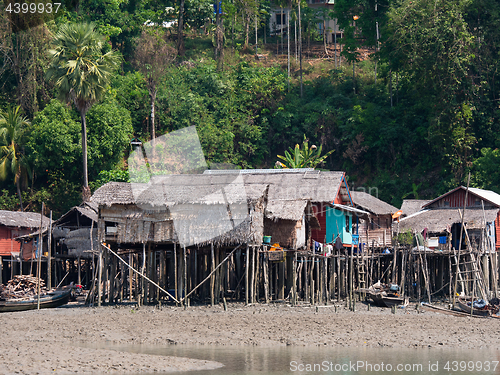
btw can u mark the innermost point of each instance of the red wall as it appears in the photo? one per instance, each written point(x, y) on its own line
point(319, 234)
point(456, 200)
point(7, 239)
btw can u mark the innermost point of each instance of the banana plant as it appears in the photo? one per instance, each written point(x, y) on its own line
point(302, 157)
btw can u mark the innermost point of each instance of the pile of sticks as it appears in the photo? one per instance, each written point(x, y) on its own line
point(21, 286)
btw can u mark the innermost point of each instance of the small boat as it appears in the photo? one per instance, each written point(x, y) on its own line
point(480, 307)
point(384, 295)
point(51, 299)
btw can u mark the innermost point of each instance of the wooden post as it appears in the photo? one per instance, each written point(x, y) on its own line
point(252, 274)
point(1, 270)
point(176, 295)
point(265, 272)
point(185, 274)
point(294, 278)
point(49, 257)
point(99, 278)
point(311, 276)
point(246, 276)
point(212, 277)
point(112, 277)
point(163, 274)
point(351, 280)
point(256, 278)
point(306, 278)
point(40, 250)
point(143, 271)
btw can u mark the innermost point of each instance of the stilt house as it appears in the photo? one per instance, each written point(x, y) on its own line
point(440, 220)
point(13, 225)
point(376, 232)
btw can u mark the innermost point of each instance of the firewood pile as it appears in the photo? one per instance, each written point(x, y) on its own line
point(22, 286)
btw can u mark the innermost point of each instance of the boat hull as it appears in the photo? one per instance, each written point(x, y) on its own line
point(53, 299)
point(462, 305)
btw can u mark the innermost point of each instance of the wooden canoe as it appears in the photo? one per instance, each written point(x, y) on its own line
point(51, 299)
point(462, 305)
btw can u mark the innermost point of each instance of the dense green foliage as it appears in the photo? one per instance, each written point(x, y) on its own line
point(420, 113)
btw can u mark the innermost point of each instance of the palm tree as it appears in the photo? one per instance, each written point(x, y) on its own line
point(13, 128)
point(81, 72)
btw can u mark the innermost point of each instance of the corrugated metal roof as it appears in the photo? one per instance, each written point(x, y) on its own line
point(488, 195)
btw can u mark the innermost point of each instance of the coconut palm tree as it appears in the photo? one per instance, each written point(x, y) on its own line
point(13, 128)
point(81, 72)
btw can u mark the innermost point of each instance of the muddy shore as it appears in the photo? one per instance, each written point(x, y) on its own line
point(57, 340)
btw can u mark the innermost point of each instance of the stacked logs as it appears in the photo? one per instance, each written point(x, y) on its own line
point(21, 286)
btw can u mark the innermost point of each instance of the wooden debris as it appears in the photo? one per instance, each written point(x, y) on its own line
point(21, 286)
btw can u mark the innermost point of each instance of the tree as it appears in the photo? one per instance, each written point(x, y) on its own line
point(305, 157)
point(81, 73)
point(13, 160)
point(153, 56)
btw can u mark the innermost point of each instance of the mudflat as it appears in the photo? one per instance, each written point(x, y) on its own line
point(60, 340)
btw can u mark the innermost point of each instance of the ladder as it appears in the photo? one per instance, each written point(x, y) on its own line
point(470, 271)
point(361, 272)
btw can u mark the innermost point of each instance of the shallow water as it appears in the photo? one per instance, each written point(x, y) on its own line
point(322, 360)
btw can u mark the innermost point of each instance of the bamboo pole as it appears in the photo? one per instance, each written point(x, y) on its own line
point(265, 271)
point(138, 272)
point(460, 240)
point(49, 257)
point(246, 276)
point(185, 275)
point(211, 273)
point(212, 277)
point(40, 249)
point(175, 274)
point(99, 279)
point(252, 273)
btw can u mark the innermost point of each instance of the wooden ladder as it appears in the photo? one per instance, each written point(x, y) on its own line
point(470, 271)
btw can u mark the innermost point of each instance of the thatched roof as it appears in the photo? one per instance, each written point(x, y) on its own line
point(22, 219)
point(411, 206)
point(87, 209)
point(369, 203)
point(440, 220)
point(287, 193)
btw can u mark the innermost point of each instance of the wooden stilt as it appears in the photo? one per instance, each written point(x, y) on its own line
point(212, 277)
point(307, 266)
point(143, 271)
point(252, 272)
point(247, 261)
point(112, 280)
point(311, 277)
point(265, 272)
point(175, 274)
point(294, 279)
point(49, 256)
point(185, 274)
point(99, 278)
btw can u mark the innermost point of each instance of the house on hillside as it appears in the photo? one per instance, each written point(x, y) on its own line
point(12, 225)
point(376, 232)
point(440, 220)
point(280, 16)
